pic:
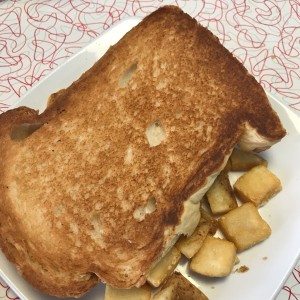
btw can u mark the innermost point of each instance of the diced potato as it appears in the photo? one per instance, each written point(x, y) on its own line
point(244, 226)
point(142, 293)
point(206, 217)
point(244, 161)
point(257, 186)
point(164, 268)
point(178, 287)
point(220, 196)
point(215, 258)
point(188, 246)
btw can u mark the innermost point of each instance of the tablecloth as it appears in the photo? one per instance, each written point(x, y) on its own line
point(38, 36)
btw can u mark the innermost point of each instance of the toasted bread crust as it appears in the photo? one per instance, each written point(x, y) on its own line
point(73, 194)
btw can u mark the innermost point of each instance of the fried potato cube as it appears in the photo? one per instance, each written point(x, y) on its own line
point(189, 245)
point(206, 217)
point(244, 226)
point(257, 186)
point(178, 287)
point(142, 293)
point(244, 161)
point(164, 268)
point(220, 196)
point(215, 258)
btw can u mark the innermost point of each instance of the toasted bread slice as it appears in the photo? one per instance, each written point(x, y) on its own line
point(119, 161)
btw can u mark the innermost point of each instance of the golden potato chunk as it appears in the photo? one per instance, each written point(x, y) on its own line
point(257, 186)
point(188, 246)
point(142, 293)
point(244, 226)
point(215, 258)
point(206, 217)
point(220, 196)
point(164, 268)
point(177, 287)
point(244, 161)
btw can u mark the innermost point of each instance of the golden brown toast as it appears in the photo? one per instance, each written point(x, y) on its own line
point(107, 178)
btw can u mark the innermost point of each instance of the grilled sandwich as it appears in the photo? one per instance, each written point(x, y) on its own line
point(102, 183)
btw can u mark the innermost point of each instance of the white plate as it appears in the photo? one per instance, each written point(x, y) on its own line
point(269, 262)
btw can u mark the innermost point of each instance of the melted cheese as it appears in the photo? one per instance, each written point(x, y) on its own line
point(251, 140)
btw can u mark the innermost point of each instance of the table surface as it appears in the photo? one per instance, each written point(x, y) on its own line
point(38, 36)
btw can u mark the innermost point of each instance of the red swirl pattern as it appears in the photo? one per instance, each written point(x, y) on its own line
point(35, 37)
point(38, 36)
point(6, 292)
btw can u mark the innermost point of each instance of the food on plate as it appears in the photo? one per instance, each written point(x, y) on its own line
point(134, 293)
point(242, 269)
point(244, 160)
point(164, 268)
point(215, 258)
point(237, 260)
point(257, 186)
point(189, 245)
point(118, 163)
point(220, 196)
point(244, 226)
point(206, 217)
point(177, 287)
